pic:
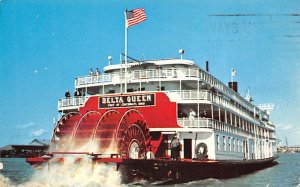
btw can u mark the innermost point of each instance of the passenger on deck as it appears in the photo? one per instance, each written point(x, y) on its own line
point(67, 94)
point(181, 114)
point(91, 72)
point(203, 114)
point(77, 93)
point(97, 72)
point(150, 154)
point(175, 148)
point(192, 114)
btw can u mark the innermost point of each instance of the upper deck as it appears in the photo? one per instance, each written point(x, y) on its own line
point(169, 71)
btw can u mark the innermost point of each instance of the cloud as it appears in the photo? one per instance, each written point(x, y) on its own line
point(287, 127)
point(297, 131)
point(24, 126)
point(38, 132)
point(35, 71)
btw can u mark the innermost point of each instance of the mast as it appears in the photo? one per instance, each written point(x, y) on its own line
point(125, 52)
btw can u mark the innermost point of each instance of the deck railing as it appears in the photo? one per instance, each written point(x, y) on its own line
point(72, 102)
point(208, 96)
point(168, 74)
point(211, 124)
point(172, 73)
point(193, 94)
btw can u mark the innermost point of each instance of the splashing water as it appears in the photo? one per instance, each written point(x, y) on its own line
point(75, 173)
point(4, 182)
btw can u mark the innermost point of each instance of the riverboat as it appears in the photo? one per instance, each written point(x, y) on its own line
point(129, 115)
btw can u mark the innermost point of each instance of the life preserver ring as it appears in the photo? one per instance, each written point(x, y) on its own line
point(201, 151)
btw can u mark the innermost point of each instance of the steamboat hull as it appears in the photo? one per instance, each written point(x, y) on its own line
point(185, 171)
point(169, 171)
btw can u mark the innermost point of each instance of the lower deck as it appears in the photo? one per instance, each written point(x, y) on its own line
point(216, 145)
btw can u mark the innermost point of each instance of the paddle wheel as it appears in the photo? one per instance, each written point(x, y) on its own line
point(83, 131)
point(62, 133)
point(126, 134)
point(133, 135)
point(104, 132)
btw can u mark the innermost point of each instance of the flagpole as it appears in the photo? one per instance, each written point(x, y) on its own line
point(126, 37)
point(231, 76)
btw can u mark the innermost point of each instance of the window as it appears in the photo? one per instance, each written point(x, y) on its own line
point(229, 143)
point(218, 142)
point(224, 143)
point(242, 150)
point(233, 144)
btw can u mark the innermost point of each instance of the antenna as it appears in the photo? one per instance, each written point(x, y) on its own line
point(248, 96)
point(233, 74)
point(109, 58)
point(181, 52)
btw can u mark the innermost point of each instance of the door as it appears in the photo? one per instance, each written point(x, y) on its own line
point(187, 148)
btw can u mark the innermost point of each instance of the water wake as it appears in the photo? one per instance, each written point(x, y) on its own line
point(75, 171)
point(4, 182)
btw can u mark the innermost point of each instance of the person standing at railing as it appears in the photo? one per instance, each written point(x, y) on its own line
point(97, 72)
point(91, 72)
point(77, 95)
point(203, 114)
point(67, 95)
point(192, 116)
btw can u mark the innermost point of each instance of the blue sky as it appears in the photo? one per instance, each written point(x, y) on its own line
point(44, 45)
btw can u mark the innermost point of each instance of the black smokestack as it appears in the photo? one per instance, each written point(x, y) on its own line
point(207, 66)
point(233, 86)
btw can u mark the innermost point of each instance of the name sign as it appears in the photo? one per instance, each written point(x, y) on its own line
point(126, 101)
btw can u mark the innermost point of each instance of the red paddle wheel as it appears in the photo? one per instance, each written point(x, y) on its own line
point(62, 134)
point(83, 132)
point(104, 132)
point(133, 134)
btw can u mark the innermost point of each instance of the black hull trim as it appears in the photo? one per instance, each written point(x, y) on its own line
point(188, 170)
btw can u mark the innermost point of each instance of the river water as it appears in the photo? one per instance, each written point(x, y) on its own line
point(17, 172)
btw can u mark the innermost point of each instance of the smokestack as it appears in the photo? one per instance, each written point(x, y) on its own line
point(207, 66)
point(233, 86)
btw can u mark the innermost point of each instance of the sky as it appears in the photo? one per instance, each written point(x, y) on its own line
point(45, 45)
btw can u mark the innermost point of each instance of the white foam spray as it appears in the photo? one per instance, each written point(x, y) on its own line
point(4, 182)
point(75, 170)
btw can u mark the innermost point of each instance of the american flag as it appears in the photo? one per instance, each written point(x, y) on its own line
point(135, 16)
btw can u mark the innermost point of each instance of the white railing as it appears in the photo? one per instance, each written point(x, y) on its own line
point(72, 102)
point(169, 74)
point(104, 78)
point(208, 96)
point(173, 73)
point(193, 94)
point(211, 124)
point(195, 123)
